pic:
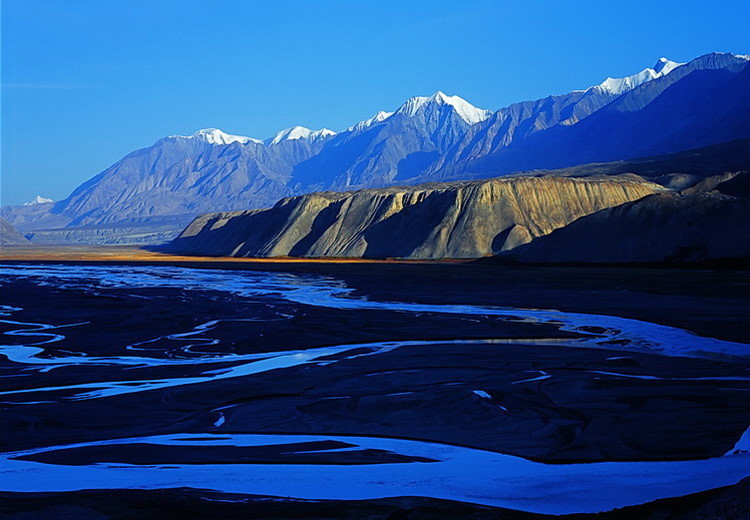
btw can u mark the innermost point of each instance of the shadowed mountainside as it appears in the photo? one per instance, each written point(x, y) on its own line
point(700, 103)
point(675, 170)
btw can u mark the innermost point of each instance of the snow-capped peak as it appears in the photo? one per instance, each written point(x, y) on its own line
point(463, 108)
point(38, 200)
point(665, 66)
point(622, 85)
point(377, 118)
point(216, 136)
point(299, 132)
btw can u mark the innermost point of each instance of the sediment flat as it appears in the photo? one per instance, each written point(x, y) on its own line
point(120, 254)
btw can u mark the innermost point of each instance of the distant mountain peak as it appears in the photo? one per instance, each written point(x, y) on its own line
point(621, 85)
point(463, 108)
point(38, 200)
point(299, 132)
point(216, 136)
point(377, 118)
point(665, 66)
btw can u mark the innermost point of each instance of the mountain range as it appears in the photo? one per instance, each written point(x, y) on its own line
point(687, 206)
point(152, 193)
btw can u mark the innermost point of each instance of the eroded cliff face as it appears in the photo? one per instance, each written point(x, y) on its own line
point(446, 220)
point(705, 222)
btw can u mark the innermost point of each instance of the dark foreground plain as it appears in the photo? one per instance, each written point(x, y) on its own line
point(351, 390)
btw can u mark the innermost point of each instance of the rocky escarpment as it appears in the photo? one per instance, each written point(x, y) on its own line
point(689, 226)
point(9, 235)
point(440, 220)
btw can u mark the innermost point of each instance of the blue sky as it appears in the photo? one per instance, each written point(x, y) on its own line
point(86, 82)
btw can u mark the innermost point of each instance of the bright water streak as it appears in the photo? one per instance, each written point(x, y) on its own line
point(463, 474)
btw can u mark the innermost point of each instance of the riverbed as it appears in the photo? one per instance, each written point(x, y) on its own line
point(545, 393)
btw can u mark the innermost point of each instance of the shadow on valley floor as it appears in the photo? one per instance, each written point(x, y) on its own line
point(730, 503)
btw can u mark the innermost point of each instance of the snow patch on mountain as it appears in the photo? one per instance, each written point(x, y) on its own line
point(299, 132)
point(38, 200)
point(463, 108)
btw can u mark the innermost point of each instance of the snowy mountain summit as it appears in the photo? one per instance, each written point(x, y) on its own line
point(216, 136)
point(377, 118)
point(620, 85)
point(38, 200)
point(300, 132)
point(468, 112)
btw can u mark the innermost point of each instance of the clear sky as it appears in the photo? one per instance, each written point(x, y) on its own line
point(85, 82)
